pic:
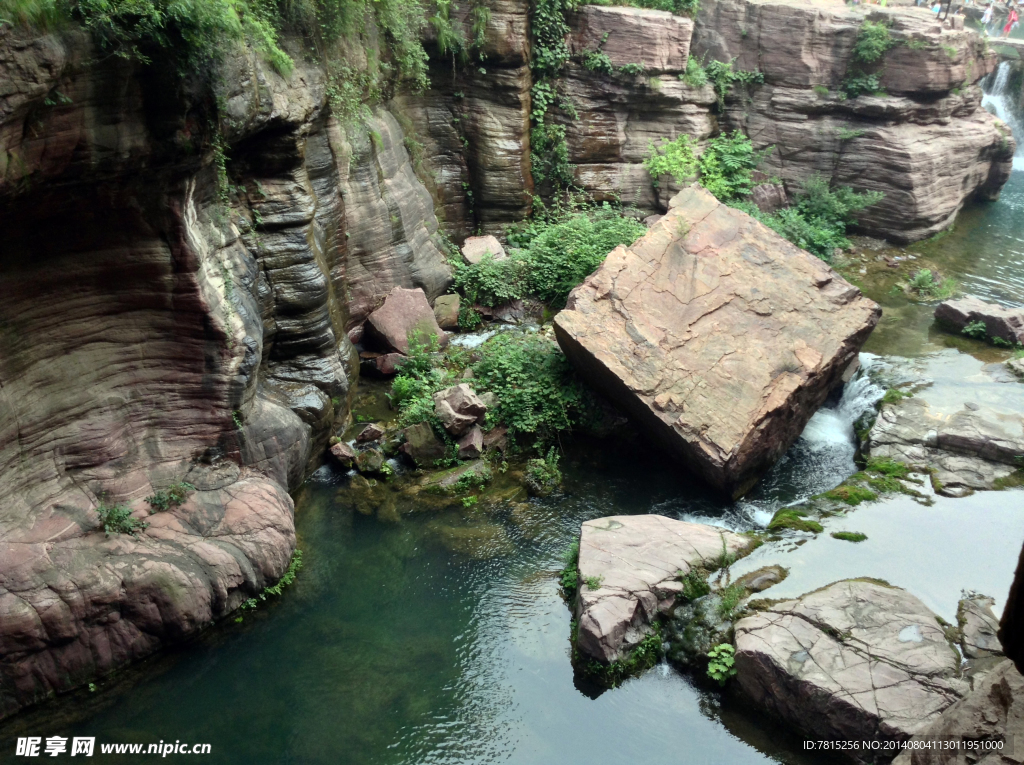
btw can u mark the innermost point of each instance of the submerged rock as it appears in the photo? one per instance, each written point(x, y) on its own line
point(458, 479)
point(635, 562)
point(857, 660)
point(1007, 324)
point(716, 335)
point(404, 313)
point(992, 712)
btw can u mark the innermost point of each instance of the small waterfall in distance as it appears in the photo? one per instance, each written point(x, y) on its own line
point(1002, 100)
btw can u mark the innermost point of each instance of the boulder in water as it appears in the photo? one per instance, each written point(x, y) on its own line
point(993, 711)
point(857, 660)
point(1007, 324)
point(629, 569)
point(717, 335)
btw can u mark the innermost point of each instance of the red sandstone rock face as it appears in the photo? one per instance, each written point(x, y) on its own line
point(926, 144)
point(717, 335)
point(148, 329)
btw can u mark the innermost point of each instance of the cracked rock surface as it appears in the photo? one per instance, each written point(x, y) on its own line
point(636, 560)
point(855, 660)
point(716, 335)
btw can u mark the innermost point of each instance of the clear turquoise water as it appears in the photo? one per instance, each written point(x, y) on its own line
point(393, 648)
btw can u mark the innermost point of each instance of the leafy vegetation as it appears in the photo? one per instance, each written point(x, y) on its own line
point(549, 152)
point(569, 575)
point(976, 329)
point(819, 217)
point(925, 285)
point(675, 158)
point(722, 663)
point(695, 584)
point(118, 519)
point(860, 83)
point(287, 579)
point(543, 476)
point(727, 166)
point(538, 392)
point(894, 396)
point(548, 257)
point(644, 656)
point(873, 40)
point(722, 76)
point(694, 76)
point(173, 496)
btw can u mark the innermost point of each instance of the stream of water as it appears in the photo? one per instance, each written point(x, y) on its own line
point(444, 639)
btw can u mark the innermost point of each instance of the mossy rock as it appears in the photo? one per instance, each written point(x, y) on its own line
point(849, 494)
point(458, 480)
point(792, 518)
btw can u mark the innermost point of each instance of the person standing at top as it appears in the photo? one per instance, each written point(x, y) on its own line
point(1011, 21)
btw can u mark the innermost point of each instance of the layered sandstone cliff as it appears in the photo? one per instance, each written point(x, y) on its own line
point(164, 321)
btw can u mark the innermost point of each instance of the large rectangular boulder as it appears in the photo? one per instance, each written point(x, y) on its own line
point(716, 335)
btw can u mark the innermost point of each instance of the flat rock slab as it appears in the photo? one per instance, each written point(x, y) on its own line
point(855, 660)
point(716, 335)
point(637, 560)
point(1004, 323)
point(405, 313)
point(969, 449)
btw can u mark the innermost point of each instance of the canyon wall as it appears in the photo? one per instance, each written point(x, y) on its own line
point(165, 320)
point(186, 266)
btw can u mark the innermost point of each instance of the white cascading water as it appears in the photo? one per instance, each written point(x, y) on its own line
point(998, 100)
point(824, 454)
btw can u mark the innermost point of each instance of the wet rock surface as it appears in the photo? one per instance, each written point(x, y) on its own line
point(716, 335)
point(978, 627)
point(636, 562)
point(855, 660)
point(973, 448)
point(992, 712)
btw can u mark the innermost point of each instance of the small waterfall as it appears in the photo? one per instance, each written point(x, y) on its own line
point(824, 454)
point(1001, 100)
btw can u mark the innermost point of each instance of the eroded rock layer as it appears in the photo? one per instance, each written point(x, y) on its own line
point(177, 284)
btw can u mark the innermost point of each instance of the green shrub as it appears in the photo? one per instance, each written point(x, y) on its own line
point(543, 476)
point(927, 286)
point(873, 40)
point(976, 329)
point(674, 158)
point(819, 217)
point(493, 282)
point(173, 496)
point(538, 392)
point(561, 252)
point(722, 663)
point(118, 519)
point(894, 396)
point(694, 76)
point(727, 166)
point(633, 70)
point(596, 61)
point(569, 575)
point(859, 83)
